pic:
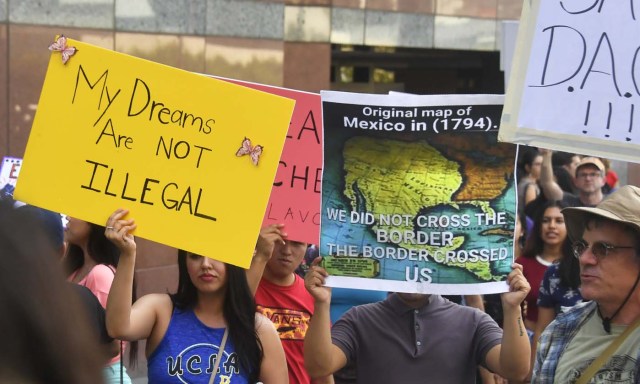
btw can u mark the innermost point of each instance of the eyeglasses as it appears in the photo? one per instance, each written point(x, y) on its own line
point(584, 175)
point(599, 249)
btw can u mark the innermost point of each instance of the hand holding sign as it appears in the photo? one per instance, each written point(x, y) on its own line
point(120, 232)
point(269, 235)
point(315, 281)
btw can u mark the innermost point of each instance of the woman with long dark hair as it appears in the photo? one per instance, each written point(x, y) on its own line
point(209, 327)
point(559, 291)
point(91, 261)
point(529, 166)
point(546, 244)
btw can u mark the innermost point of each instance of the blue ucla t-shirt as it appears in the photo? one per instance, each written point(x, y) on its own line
point(188, 352)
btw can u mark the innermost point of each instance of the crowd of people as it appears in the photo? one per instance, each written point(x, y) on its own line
point(569, 314)
point(554, 265)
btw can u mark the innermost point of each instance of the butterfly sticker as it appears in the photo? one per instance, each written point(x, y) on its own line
point(248, 149)
point(60, 45)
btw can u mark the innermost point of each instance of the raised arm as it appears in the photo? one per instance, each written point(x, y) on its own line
point(486, 376)
point(122, 322)
point(550, 188)
point(530, 193)
point(321, 357)
point(511, 358)
point(269, 235)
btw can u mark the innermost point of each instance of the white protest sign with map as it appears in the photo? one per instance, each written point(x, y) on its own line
point(417, 195)
point(575, 81)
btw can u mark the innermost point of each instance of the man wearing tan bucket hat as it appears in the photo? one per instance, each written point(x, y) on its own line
point(599, 339)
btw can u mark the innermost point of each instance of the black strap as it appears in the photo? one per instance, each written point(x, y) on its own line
point(121, 366)
point(606, 321)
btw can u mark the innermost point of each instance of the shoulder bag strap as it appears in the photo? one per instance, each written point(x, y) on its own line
point(220, 353)
point(597, 363)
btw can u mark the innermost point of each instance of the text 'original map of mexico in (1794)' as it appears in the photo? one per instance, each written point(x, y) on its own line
point(418, 195)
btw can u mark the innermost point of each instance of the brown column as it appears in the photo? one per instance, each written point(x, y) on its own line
point(307, 66)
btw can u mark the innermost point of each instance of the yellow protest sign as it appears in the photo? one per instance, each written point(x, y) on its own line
point(193, 158)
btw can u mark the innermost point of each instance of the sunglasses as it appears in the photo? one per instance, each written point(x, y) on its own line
point(599, 249)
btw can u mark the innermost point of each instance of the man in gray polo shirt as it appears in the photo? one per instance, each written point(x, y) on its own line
point(414, 338)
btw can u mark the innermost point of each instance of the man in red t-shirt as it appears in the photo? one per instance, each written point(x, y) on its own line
point(282, 297)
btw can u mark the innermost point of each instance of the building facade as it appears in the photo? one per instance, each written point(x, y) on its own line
point(286, 43)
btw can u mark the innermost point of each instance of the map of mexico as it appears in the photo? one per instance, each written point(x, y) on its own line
point(410, 209)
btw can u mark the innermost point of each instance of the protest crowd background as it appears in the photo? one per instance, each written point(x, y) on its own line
point(374, 46)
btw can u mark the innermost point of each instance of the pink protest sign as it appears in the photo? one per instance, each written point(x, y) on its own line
point(295, 195)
